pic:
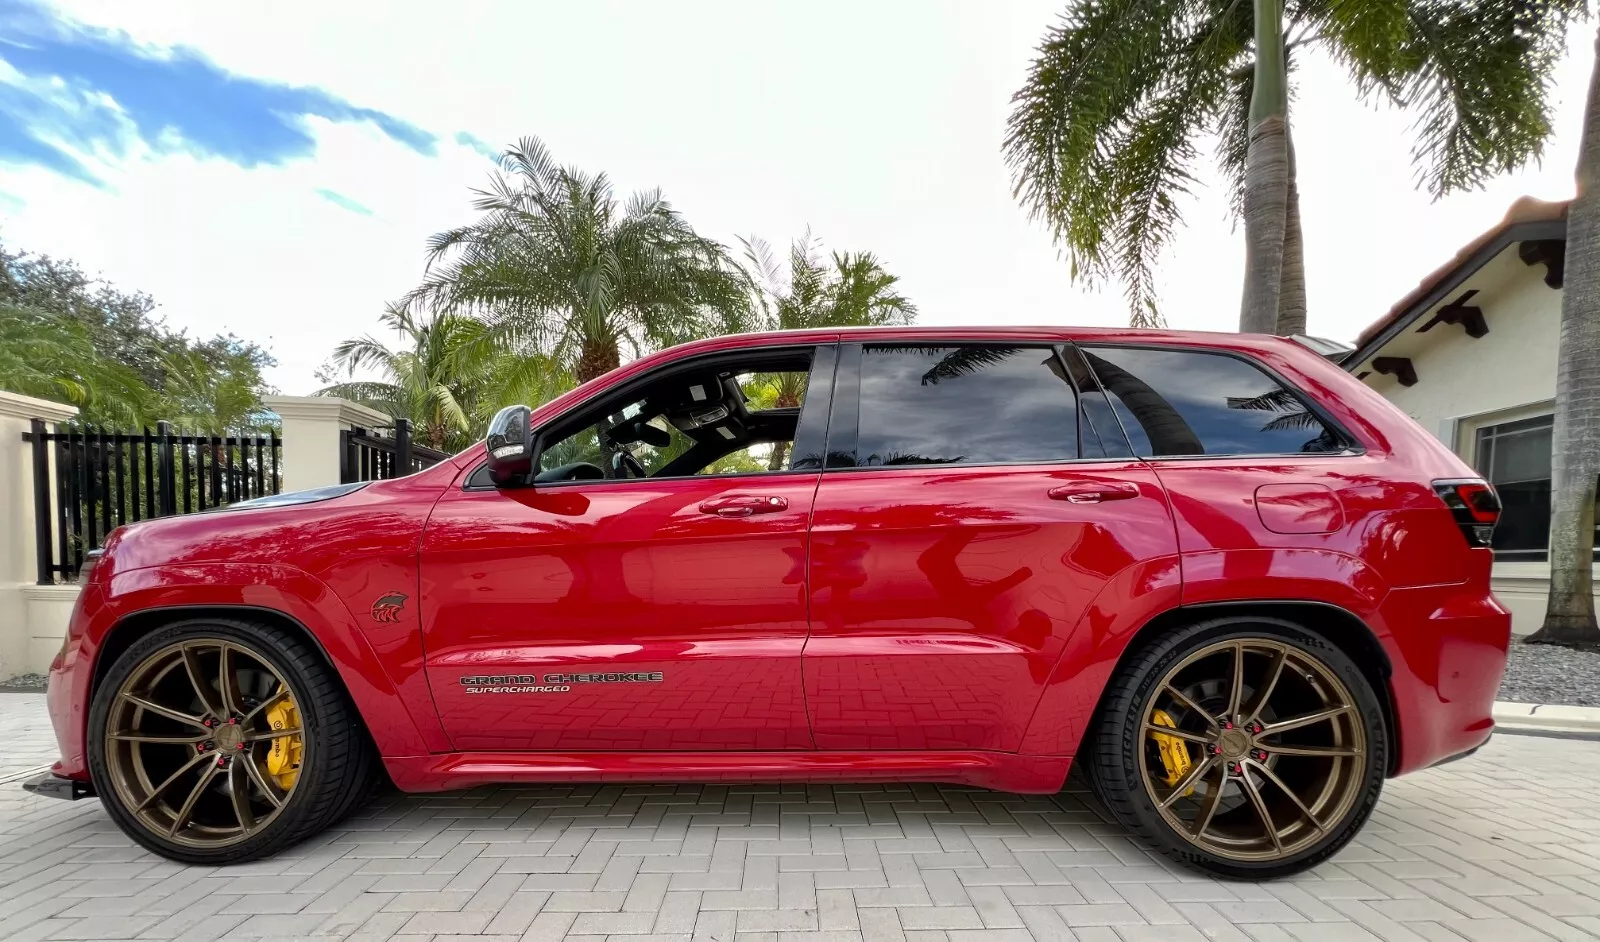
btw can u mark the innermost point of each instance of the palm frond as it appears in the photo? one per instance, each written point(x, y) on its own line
point(964, 361)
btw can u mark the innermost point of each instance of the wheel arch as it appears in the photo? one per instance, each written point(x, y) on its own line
point(131, 627)
point(1342, 627)
point(387, 689)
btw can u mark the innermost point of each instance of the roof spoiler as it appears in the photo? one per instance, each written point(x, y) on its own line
point(1325, 348)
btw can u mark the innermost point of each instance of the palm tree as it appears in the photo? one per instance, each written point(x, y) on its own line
point(201, 393)
point(848, 289)
point(50, 356)
point(448, 375)
point(1103, 136)
point(556, 262)
point(1575, 440)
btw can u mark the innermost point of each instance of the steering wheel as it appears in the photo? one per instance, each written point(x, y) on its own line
point(626, 465)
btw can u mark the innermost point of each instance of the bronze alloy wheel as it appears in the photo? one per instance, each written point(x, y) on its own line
point(203, 742)
point(1252, 749)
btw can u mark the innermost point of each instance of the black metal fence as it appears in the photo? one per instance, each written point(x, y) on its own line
point(103, 478)
point(368, 455)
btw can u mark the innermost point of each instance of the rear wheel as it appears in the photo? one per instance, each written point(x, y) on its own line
point(1245, 748)
point(219, 740)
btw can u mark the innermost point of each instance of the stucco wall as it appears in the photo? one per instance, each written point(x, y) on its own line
point(1514, 365)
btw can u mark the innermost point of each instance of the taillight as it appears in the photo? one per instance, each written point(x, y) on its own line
point(1475, 506)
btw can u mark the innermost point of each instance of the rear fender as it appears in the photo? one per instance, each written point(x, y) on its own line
point(1123, 606)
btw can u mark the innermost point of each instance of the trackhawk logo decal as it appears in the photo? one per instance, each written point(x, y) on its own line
point(552, 683)
point(387, 608)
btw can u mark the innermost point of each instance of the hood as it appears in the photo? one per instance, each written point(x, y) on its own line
point(291, 498)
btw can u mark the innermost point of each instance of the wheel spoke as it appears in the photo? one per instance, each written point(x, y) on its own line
point(239, 791)
point(1261, 810)
point(160, 710)
point(1191, 706)
point(139, 737)
point(1188, 781)
point(202, 689)
point(227, 683)
point(167, 783)
point(182, 817)
point(1237, 692)
point(269, 791)
point(263, 705)
point(274, 734)
point(1260, 700)
point(1305, 719)
point(1328, 752)
point(1177, 734)
point(1272, 777)
point(1208, 809)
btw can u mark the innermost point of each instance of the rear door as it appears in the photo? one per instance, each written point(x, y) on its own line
point(969, 515)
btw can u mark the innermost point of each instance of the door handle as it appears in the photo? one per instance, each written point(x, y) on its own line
point(744, 505)
point(1094, 492)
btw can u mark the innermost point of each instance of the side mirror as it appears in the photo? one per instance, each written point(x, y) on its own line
point(512, 447)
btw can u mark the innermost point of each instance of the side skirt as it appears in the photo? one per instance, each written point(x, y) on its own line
point(1028, 775)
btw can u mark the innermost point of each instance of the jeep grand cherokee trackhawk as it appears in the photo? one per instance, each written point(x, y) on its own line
point(1237, 586)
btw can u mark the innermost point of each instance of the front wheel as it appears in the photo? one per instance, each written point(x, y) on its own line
point(217, 740)
point(1246, 748)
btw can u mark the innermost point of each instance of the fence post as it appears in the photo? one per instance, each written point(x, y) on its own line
point(402, 448)
point(312, 446)
point(168, 486)
point(24, 646)
point(42, 520)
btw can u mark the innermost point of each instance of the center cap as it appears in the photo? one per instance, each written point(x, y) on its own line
point(1234, 743)
point(229, 737)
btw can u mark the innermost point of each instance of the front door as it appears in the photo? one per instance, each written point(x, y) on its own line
point(958, 545)
point(605, 610)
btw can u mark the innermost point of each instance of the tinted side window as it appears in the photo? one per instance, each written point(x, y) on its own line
point(1183, 402)
point(964, 405)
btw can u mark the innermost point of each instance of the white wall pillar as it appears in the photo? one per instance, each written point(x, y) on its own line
point(18, 562)
point(311, 427)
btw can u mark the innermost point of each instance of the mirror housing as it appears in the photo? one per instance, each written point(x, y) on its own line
point(512, 447)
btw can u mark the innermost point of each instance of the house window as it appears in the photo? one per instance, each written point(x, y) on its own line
point(1515, 458)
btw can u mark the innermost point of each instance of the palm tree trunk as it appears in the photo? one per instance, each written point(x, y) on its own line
point(1266, 187)
point(596, 357)
point(1169, 434)
point(780, 451)
point(1292, 296)
point(1575, 442)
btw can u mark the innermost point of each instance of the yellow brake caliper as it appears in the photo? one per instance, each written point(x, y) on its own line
point(1174, 754)
point(283, 760)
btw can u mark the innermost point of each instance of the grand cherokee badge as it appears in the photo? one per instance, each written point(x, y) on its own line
point(552, 683)
point(387, 608)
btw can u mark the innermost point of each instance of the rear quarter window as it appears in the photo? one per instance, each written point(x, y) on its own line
point(1188, 402)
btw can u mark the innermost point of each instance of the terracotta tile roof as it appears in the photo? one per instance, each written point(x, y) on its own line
point(1525, 210)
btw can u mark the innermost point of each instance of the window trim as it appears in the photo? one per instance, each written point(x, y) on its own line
point(667, 370)
point(1353, 446)
point(845, 426)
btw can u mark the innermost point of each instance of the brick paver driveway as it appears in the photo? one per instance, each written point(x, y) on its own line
point(1504, 846)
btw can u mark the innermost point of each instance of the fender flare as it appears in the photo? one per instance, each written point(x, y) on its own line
point(289, 594)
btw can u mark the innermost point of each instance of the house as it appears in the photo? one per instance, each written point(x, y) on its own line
point(1470, 354)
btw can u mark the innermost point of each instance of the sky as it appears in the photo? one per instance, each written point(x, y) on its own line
point(274, 170)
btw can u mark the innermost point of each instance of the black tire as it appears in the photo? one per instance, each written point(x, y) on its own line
point(1112, 751)
point(338, 769)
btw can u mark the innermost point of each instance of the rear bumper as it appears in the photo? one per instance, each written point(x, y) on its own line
point(1447, 650)
point(51, 785)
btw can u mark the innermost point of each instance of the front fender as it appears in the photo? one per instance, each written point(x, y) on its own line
point(392, 697)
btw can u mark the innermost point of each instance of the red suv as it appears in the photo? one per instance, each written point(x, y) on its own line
point(1232, 583)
